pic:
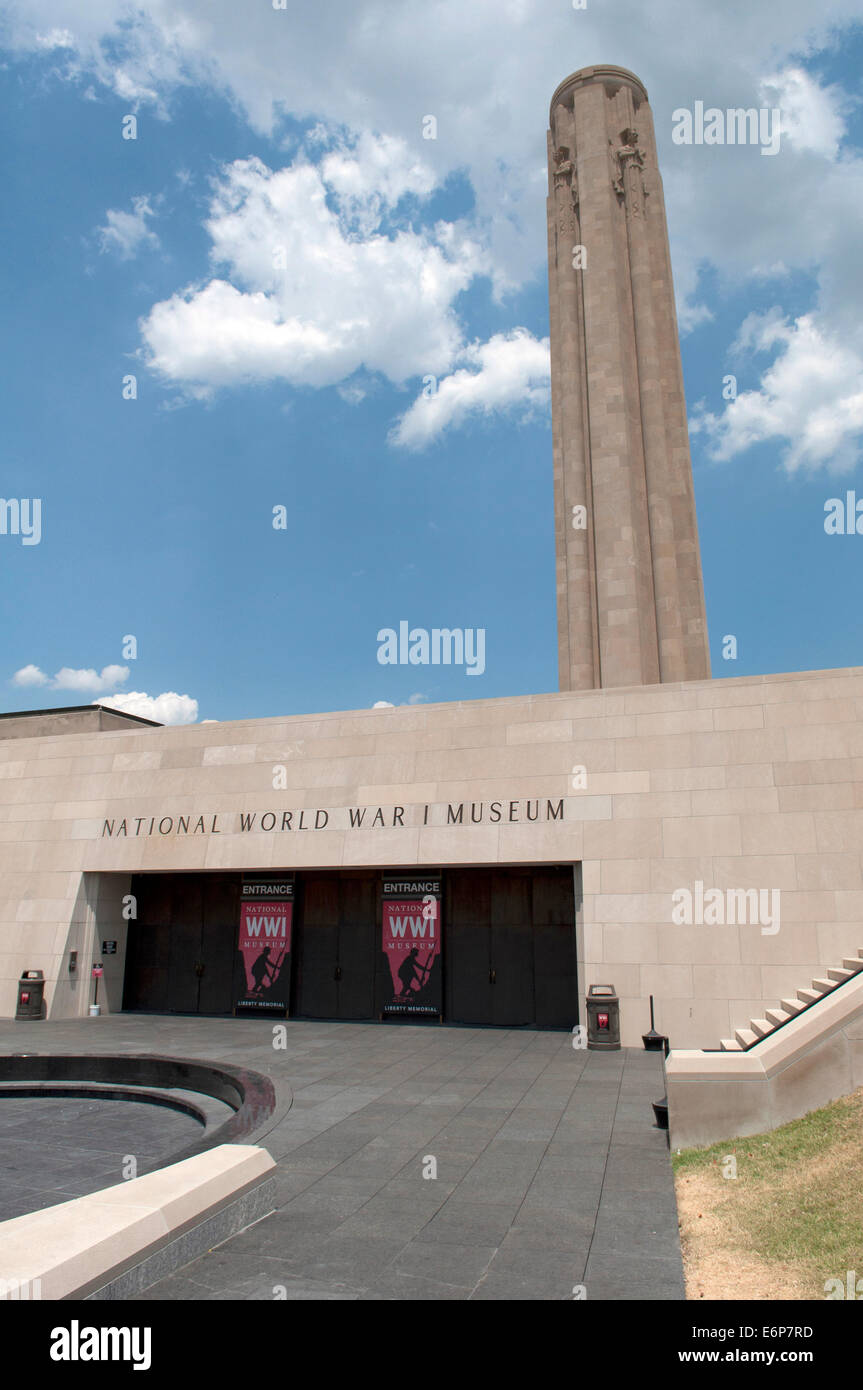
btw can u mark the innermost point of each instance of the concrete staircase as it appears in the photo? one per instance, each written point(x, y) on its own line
point(759, 1028)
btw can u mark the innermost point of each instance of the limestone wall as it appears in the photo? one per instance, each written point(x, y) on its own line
point(739, 783)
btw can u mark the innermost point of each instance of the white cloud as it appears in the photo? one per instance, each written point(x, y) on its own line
point(811, 117)
point(29, 675)
point(125, 233)
point(55, 38)
point(509, 372)
point(167, 708)
point(485, 70)
point(72, 678)
point(810, 399)
point(352, 394)
point(68, 678)
point(416, 699)
point(374, 174)
point(306, 298)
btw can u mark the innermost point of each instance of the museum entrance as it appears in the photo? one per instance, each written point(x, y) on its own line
point(510, 955)
point(181, 947)
point(505, 954)
point(337, 946)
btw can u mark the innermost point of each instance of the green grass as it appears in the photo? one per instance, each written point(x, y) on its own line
point(801, 1141)
point(797, 1199)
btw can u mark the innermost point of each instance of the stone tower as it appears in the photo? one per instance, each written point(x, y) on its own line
point(629, 589)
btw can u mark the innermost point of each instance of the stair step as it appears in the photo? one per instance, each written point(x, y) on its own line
point(779, 1016)
point(791, 1006)
point(809, 996)
point(774, 1018)
point(839, 975)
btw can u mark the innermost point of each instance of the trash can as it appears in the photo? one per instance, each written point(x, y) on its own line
point(31, 988)
point(603, 1018)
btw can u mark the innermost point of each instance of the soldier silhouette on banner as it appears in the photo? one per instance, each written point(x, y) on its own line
point(264, 966)
point(412, 975)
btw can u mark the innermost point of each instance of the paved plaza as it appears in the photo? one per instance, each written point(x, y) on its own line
point(550, 1173)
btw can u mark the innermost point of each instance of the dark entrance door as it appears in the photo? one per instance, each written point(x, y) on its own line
point(509, 939)
point(489, 957)
point(337, 946)
point(187, 963)
point(554, 948)
point(181, 947)
point(220, 915)
point(467, 947)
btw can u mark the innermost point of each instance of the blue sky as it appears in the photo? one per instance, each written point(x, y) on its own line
point(263, 384)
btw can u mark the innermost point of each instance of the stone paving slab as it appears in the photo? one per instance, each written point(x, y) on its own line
point(550, 1173)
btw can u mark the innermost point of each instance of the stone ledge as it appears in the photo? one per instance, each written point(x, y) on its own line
point(78, 1247)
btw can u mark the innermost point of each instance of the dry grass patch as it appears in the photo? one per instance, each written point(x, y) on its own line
point(789, 1221)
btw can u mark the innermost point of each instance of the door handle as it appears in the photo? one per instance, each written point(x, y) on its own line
point(337, 973)
point(199, 968)
point(492, 977)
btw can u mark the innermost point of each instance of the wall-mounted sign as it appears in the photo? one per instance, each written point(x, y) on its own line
point(109, 948)
point(412, 943)
point(513, 811)
point(264, 945)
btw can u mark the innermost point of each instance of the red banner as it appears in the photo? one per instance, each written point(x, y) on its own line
point(264, 945)
point(412, 946)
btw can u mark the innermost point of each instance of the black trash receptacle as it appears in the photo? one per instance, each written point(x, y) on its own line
point(603, 1018)
point(31, 988)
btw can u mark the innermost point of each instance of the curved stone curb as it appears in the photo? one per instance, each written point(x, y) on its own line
point(72, 1249)
point(259, 1103)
